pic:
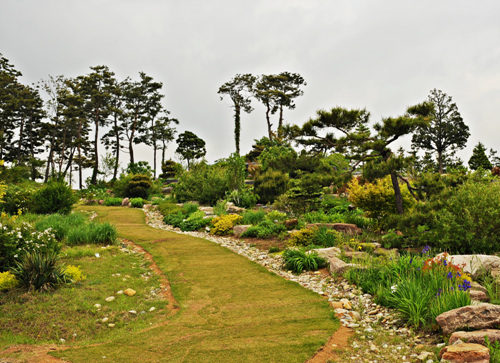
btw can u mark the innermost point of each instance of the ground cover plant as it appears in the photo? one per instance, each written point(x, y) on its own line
point(299, 260)
point(419, 287)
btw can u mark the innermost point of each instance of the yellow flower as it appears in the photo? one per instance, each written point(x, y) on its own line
point(360, 248)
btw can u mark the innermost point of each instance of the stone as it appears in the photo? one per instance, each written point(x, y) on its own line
point(167, 190)
point(360, 255)
point(147, 206)
point(465, 353)
point(328, 252)
point(119, 292)
point(101, 202)
point(474, 264)
point(476, 337)
point(152, 308)
point(105, 319)
point(209, 211)
point(240, 229)
point(125, 202)
point(424, 355)
point(337, 304)
point(347, 305)
point(355, 315)
point(291, 223)
point(231, 208)
point(479, 295)
point(111, 325)
point(337, 266)
point(97, 306)
point(347, 228)
point(475, 317)
point(129, 292)
point(133, 312)
point(475, 286)
point(110, 298)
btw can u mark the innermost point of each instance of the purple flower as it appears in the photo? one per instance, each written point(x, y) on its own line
point(411, 260)
point(426, 249)
point(445, 262)
point(450, 275)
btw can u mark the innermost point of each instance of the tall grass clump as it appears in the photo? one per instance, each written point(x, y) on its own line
point(253, 217)
point(113, 202)
point(39, 271)
point(419, 287)
point(299, 260)
point(92, 233)
point(60, 224)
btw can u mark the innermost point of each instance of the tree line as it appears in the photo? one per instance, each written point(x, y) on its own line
point(79, 114)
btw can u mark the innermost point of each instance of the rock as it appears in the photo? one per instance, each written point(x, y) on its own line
point(474, 264)
point(479, 295)
point(357, 255)
point(239, 230)
point(291, 223)
point(355, 315)
point(111, 325)
point(125, 202)
point(337, 266)
point(110, 298)
point(337, 304)
point(495, 272)
point(105, 319)
point(387, 253)
point(482, 316)
point(465, 353)
point(62, 340)
point(231, 208)
point(424, 355)
point(97, 306)
point(101, 202)
point(133, 312)
point(147, 206)
point(476, 337)
point(167, 190)
point(328, 252)
point(209, 211)
point(129, 292)
point(476, 286)
point(152, 308)
point(341, 227)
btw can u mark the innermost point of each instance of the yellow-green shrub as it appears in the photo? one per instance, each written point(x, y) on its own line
point(74, 273)
point(304, 237)
point(224, 224)
point(7, 281)
point(377, 199)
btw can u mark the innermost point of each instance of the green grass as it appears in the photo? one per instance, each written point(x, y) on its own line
point(231, 309)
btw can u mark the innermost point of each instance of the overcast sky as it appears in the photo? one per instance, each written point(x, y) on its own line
point(382, 55)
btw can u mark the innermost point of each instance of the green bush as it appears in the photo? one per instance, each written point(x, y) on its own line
point(303, 237)
point(190, 207)
point(55, 197)
point(139, 186)
point(325, 237)
point(270, 185)
point(253, 216)
point(39, 271)
point(137, 202)
point(470, 221)
point(113, 202)
point(7, 281)
point(17, 198)
point(195, 221)
point(244, 198)
point(300, 260)
point(166, 208)
point(223, 225)
point(265, 229)
point(92, 233)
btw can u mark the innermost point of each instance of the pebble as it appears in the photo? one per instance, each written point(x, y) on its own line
point(105, 319)
point(97, 306)
point(152, 308)
point(111, 325)
point(109, 299)
point(133, 312)
point(119, 292)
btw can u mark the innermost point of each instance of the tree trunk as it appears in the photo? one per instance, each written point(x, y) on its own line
point(117, 156)
point(131, 139)
point(154, 147)
point(397, 193)
point(440, 162)
point(280, 123)
point(269, 125)
point(93, 180)
point(237, 127)
point(20, 159)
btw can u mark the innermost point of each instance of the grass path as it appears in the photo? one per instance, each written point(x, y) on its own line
point(231, 309)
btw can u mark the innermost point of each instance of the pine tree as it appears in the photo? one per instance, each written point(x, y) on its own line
point(479, 158)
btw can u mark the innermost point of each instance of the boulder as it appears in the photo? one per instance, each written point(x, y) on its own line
point(476, 337)
point(125, 202)
point(465, 353)
point(328, 252)
point(360, 255)
point(475, 317)
point(477, 287)
point(479, 295)
point(231, 208)
point(474, 264)
point(239, 230)
point(341, 227)
point(291, 223)
point(101, 201)
point(337, 266)
point(209, 211)
point(167, 190)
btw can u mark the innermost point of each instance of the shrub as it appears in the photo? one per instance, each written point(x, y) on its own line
point(92, 233)
point(195, 221)
point(243, 198)
point(253, 217)
point(304, 237)
point(325, 237)
point(190, 207)
point(20, 238)
point(166, 208)
point(136, 202)
point(17, 198)
point(73, 273)
point(39, 271)
point(223, 225)
point(55, 197)
point(265, 229)
point(7, 281)
point(270, 185)
point(470, 221)
point(274, 249)
point(139, 186)
point(113, 201)
point(377, 199)
point(174, 220)
point(300, 260)
point(276, 216)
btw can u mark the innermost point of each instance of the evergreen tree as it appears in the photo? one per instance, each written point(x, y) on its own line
point(239, 89)
point(446, 131)
point(479, 158)
point(190, 147)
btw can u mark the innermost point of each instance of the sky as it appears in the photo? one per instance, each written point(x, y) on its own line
point(382, 55)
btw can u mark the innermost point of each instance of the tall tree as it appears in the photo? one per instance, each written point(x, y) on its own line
point(479, 158)
point(138, 97)
point(190, 147)
point(165, 133)
point(96, 90)
point(446, 131)
point(359, 145)
point(239, 89)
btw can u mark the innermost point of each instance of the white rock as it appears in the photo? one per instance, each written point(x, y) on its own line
point(105, 319)
point(111, 325)
point(132, 312)
point(110, 298)
point(97, 306)
point(152, 308)
point(119, 292)
point(97, 255)
point(62, 340)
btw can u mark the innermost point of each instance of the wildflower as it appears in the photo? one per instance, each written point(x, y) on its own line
point(450, 275)
point(394, 288)
point(359, 248)
point(426, 249)
point(411, 260)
